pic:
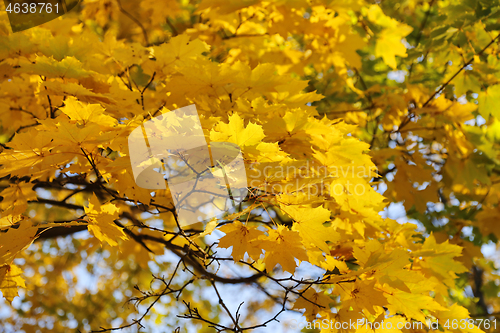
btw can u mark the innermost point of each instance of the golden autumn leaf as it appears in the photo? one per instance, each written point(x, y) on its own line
point(313, 302)
point(236, 132)
point(411, 304)
point(16, 197)
point(101, 221)
point(309, 224)
point(10, 281)
point(389, 44)
point(362, 295)
point(283, 246)
point(440, 259)
point(15, 239)
point(69, 67)
point(242, 239)
point(84, 114)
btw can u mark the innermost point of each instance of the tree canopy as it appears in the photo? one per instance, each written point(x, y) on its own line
point(370, 136)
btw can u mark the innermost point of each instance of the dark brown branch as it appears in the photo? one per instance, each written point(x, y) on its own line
point(136, 21)
point(171, 26)
point(411, 115)
point(187, 256)
point(421, 32)
point(460, 71)
point(54, 232)
point(57, 203)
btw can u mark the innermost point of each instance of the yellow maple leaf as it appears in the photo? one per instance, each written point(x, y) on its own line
point(411, 304)
point(208, 229)
point(256, 80)
point(282, 247)
point(457, 314)
point(309, 223)
point(10, 280)
point(101, 221)
point(488, 101)
point(178, 51)
point(94, 113)
point(487, 221)
point(15, 240)
point(27, 156)
point(438, 260)
point(389, 43)
point(313, 302)
point(69, 67)
point(361, 295)
point(331, 264)
point(236, 132)
point(242, 239)
point(131, 248)
point(82, 93)
point(10, 220)
point(222, 7)
point(16, 197)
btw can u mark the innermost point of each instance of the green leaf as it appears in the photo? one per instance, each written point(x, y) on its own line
point(489, 102)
